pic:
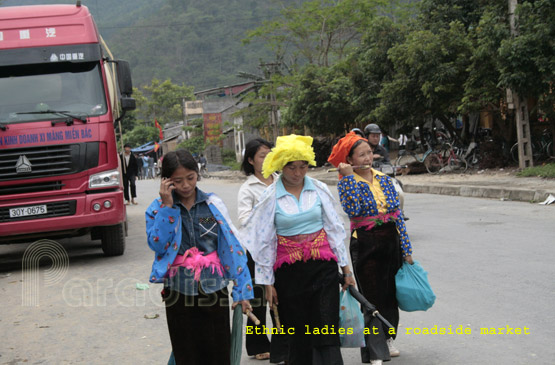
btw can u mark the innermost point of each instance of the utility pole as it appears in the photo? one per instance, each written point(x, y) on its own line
point(520, 107)
point(269, 70)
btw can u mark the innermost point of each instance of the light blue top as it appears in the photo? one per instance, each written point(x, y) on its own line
point(306, 221)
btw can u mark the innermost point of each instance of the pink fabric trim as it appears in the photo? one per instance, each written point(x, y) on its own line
point(303, 247)
point(370, 222)
point(194, 260)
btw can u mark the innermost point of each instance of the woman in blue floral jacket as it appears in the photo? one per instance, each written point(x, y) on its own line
point(196, 254)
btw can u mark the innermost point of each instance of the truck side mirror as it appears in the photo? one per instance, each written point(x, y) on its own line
point(125, 85)
point(128, 103)
point(124, 78)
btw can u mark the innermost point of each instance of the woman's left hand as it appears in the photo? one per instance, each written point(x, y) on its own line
point(409, 259)
point(349, 281)
point(348, 278)
point(245, 304)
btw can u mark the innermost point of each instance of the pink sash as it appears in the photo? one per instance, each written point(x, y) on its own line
point(370, 222)
point(194, 260)
point(303, 247)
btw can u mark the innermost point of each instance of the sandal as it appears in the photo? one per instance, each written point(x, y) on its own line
point(262, 356)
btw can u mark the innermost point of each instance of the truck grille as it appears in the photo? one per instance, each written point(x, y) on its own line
point(30, 188)
point(55, 209)
point(44, 161)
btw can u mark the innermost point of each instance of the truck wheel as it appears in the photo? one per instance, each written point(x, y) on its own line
point(113, 240)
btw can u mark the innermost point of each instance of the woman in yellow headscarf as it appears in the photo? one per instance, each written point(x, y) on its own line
point(296, 240)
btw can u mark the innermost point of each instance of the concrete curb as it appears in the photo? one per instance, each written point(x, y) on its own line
point(525, 195)
point(473, 191)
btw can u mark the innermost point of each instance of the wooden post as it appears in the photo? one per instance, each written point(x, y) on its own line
point(520, 107)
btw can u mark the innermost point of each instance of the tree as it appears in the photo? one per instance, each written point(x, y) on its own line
point(164, 101)
point(527, 61)
point(370, 67)
point(430, 69)
point(322, 101)
point(317, 32)
point(140, 135)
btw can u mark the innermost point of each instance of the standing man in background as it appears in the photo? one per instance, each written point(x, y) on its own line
point(130, 169)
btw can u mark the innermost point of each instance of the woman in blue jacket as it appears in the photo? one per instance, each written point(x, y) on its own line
point(196, 254)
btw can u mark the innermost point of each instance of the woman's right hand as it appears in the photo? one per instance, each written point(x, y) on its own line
point(271, 295)
point(166, 188)
point(345, 169)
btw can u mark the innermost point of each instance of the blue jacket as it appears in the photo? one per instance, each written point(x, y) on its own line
point(163, 229)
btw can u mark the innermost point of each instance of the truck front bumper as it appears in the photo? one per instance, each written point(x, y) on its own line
point(66, 213)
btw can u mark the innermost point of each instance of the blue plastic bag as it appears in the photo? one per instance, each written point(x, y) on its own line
point(351, 320)
point(414, 292)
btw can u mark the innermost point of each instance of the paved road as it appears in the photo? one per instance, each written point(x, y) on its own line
point(490, 264)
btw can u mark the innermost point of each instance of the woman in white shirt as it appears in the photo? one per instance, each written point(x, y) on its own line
point(258, 345)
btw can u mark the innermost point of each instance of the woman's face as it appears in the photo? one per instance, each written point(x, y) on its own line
point(362, 155)
point(258, 159)
point(185, 181)
point(294, 172)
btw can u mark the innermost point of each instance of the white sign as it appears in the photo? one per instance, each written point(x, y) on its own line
point(24, 34)
point(1, 36)
point(50, 32)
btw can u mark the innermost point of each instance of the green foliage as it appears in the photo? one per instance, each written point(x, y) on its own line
point(527, 61)
point(140, 135)
point(481, 89)
point(547, 171)
point(229, 159)
point(322, 101)
point(194, 144)
point(430, 68)
point(370, 67)
point(317, 32)
point(164, 101)
point(194, 42)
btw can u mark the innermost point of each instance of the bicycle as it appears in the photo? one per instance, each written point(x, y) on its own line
point(434, 160)
point(540, 150)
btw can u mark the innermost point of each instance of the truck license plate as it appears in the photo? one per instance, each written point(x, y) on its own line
point(27, 211)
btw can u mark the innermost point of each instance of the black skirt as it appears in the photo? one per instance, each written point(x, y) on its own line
point(199, 327)
point(376, 256)
point(308, 296)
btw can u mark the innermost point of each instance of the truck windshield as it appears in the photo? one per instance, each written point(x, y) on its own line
point(75, 88)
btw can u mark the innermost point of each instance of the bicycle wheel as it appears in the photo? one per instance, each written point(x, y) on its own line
point(405, 160)
point(457, 164)
point(514, 152)
point(549, 150)
point(433, 163)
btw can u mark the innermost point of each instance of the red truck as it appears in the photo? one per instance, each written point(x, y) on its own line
point(61, 96)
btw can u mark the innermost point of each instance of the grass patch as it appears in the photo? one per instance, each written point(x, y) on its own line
point(229, 159)
point(547, 170)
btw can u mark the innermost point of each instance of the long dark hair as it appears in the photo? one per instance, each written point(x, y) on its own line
point(172, 160)
point(251, 149)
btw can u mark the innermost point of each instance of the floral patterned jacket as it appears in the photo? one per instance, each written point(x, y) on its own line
point(358, 201)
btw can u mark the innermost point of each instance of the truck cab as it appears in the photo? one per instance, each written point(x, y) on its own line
point(61, 96)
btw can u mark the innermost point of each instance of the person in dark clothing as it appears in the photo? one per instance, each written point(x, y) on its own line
point(373, 134)
point(130, 169)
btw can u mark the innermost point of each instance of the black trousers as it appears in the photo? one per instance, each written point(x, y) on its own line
point(129, 182)
point(308, 295)
point(199, 327)
point(259, 343)
point(376, 257)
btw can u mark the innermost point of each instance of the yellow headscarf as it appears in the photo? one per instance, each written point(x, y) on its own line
point(288, 148)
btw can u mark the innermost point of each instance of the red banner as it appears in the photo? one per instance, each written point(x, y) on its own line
point(160, 128)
